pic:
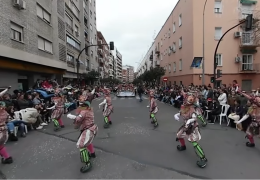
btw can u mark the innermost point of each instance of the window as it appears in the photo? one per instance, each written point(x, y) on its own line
point(43, 14)
point(218, 33)
point(70, 58)
point(75, 10)
point(44, 44)
point(218, 6)
point(180, 43)
point(161, 42)
point(174, 47)
point(77, 30)
point(91, 53)
point(169, 68)
point(174, 67)
point(173, 27)
point(90, 12)
point(247, 62)
point(180, 65)
point(91, 27)
point(219, 59)
point(16, 32)
point(73, 42)
point(69, 20)
point(92, 41)
point(180, 20)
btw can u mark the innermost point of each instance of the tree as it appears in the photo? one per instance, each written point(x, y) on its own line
point(151, 77)
point(91, 76)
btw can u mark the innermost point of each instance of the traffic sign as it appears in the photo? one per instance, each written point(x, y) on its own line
point(165, 79)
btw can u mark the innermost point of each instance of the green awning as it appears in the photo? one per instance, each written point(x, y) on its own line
point(248, 2)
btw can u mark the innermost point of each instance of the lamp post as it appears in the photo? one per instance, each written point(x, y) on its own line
point(111, 47)
point(203, 47)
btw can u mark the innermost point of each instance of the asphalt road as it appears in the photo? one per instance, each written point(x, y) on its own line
point(131, 148)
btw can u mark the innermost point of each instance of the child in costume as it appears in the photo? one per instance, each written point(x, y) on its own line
point(58, 110)
point(153, 109)
point(254, 113)
point(88, 131)
point(190, 129)
point(107, 108)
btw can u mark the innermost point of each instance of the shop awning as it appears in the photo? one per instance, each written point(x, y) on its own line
point(29, 67)
point(248, 2)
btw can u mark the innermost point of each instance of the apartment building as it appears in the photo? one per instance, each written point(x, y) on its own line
point(128, 74)
point(103, 55)
point(111, 63)
point(124, 75)
point(43, 39)
point(149, 61)
point(118, 64)
point(178, 47)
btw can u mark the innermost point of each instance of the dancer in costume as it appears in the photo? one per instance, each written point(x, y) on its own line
point(6, 158)
point(90, 95)
point(58, 110)
point(190, 129)
point(88, 131)
point(153, 109)
point(107, 108)
point(254, 113)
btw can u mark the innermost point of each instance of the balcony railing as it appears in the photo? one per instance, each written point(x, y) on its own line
point(248, 39)
point(71, 64)
point(249, 67)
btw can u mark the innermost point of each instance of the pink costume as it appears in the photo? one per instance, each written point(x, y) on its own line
point(88, 129)
point(253, 112)
point(153, 109)
point(189, 113)
point(107, 108)
point(6, 158)
point(58, 110)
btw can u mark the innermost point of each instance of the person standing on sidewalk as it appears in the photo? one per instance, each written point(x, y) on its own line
point(140, 92)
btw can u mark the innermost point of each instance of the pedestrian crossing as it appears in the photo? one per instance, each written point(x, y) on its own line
point(115, 98)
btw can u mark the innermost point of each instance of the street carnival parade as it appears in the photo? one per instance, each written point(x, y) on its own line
point(75, 105)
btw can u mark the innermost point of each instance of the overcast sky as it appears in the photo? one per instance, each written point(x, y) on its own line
point(132, 24)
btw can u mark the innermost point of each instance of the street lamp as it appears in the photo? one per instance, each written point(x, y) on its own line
point(203, 47)
point(111, 47)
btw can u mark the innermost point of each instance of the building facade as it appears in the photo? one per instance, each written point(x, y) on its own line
point(179, 44)
point(43, 39)
point(117, 64)
point(128, 74)
point(103, 55)
point(149, 61)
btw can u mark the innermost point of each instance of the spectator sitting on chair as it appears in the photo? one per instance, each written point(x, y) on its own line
point(236, 113)
point(13, 121)
point(216, 110)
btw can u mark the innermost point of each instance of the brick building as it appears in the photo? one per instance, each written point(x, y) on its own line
point(43, 39)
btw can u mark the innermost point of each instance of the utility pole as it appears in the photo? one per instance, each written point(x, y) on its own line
point(203, 47)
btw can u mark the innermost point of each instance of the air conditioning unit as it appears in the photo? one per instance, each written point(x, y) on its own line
point(23, 5)
point(237, 34)
point(16, 3)
point(237, 59)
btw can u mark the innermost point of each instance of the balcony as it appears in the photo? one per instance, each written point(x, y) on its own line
point(69, 28)
point(248, 41)
point(71, 64)
point(110, 62)
point(249, 68)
